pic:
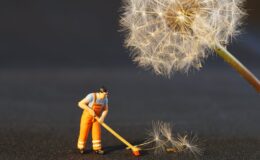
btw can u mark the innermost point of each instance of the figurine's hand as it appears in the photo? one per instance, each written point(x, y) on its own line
point(101, 120)
point(92, 113)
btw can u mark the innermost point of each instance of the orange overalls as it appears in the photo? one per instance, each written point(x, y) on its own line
point(87, 122)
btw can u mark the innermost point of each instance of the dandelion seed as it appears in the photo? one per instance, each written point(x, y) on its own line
point(160, 143)
point(191, 144)
point(166, 131)
point(161, 140)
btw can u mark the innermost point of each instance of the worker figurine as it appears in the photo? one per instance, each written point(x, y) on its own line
point(94, 104)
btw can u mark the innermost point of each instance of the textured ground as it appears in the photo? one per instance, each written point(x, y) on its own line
point(39, 118)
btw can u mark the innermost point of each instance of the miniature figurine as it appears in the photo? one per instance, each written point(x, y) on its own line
point(94, 104)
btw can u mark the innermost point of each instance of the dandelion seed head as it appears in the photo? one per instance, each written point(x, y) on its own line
point(175, 35)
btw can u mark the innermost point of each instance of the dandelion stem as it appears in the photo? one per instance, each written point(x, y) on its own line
point(145, 143)
point(142, 144)
point(238, 66)
point(156, 147)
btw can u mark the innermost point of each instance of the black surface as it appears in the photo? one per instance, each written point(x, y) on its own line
point(39, 117)
point(82, 33)
point(52, 53)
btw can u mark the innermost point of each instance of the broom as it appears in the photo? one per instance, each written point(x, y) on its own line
point(135, 150)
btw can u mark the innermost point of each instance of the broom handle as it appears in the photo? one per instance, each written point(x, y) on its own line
point(116, 134)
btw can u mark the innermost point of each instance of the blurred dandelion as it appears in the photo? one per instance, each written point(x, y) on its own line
point(177, 35)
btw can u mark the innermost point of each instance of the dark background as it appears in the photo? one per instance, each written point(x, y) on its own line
point(70, 34)
point(52, 53)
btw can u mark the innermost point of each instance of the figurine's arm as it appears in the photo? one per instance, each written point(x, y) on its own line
point(104, 114)
point(83, 104)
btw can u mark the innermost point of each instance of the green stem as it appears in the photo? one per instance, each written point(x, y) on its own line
point(239, 67)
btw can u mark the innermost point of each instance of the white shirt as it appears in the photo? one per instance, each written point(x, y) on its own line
point(90, 99)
